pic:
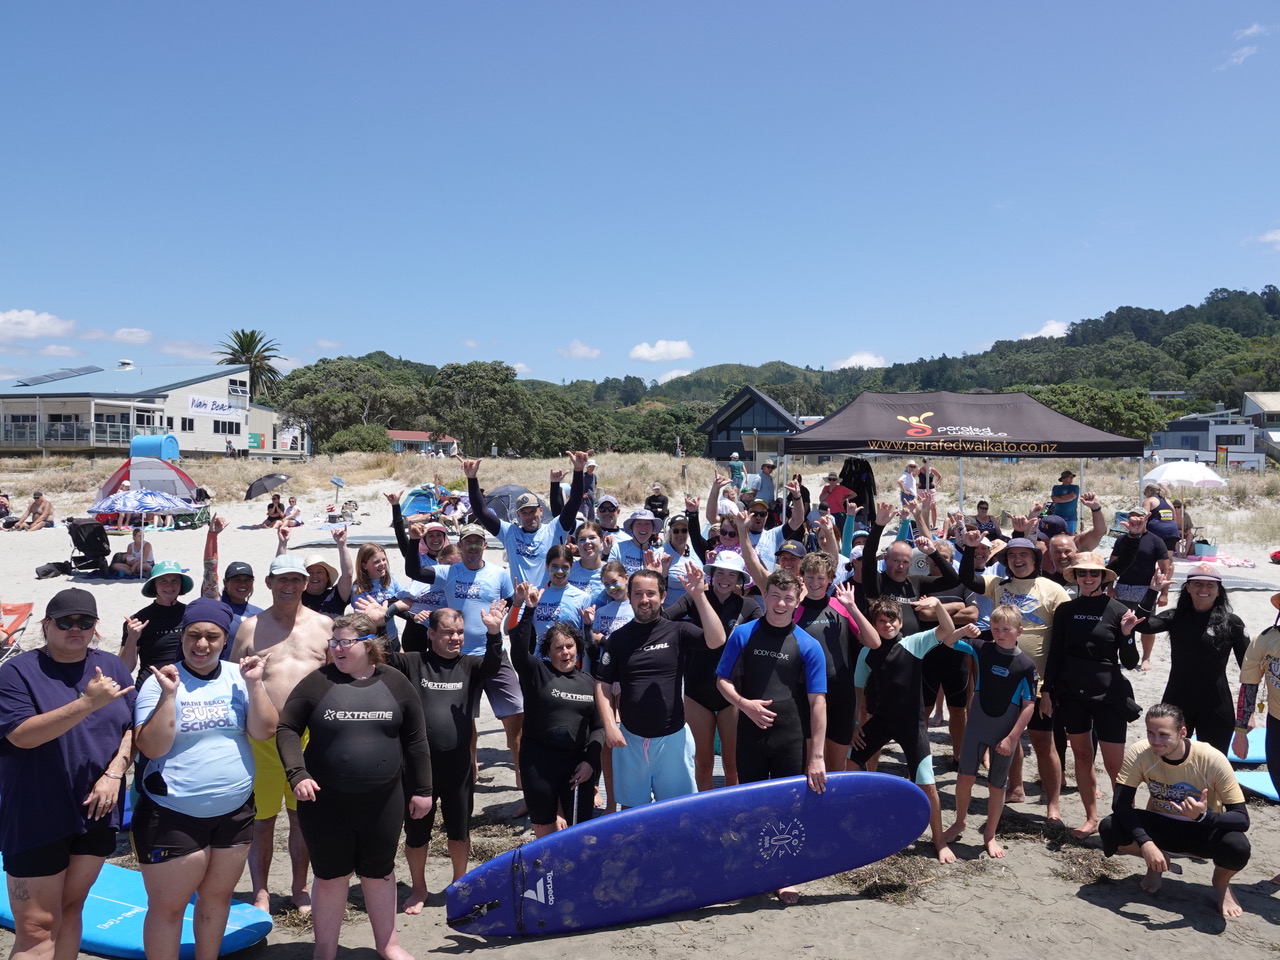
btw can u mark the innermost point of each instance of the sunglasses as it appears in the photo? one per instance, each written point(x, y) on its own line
point(730, 532)
point(334, 642)
point(679, 529)
point(75, 623)
point(759, 513)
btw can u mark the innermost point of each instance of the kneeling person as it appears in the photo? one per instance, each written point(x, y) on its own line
point(1196, 807)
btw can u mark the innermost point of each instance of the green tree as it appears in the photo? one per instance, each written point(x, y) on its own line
point(361, 438)
point(332, 394)
point(1128, 413)
point(253, 347)
point(479, 404)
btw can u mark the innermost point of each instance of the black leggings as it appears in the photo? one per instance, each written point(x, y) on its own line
point(1228, 849)
point(772, 753)
point(544, 775)
point(353, 832)
point(1273, 751)
point(453, 789)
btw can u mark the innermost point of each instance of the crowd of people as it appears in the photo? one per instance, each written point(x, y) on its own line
point(614, 653)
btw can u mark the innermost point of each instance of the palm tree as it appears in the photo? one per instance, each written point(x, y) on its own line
point(253, 347)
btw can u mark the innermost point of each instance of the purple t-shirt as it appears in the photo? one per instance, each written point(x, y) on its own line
point(42, 789)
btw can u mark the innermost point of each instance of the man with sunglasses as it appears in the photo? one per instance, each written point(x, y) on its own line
point(607, 516)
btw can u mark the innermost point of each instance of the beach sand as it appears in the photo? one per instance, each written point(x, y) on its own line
point(1045, 897)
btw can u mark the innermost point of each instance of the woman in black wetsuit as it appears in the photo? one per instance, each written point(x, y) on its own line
point(563, 733)
point(349, 778)
point(1092, 638)
point(1203, 635)
point(705, 708)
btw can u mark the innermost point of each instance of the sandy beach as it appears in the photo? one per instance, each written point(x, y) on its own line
point(1048, 895)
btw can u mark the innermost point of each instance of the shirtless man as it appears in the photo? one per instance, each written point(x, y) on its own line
point(294, 641)
point(38, 516)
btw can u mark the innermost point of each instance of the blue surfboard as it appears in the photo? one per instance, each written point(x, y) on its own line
point(117, 905)
point(1257, 781)
point(686, 853)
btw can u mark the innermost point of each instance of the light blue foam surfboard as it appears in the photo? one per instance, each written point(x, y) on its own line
point(117, 906)
point(689, 852)
point(1257, 781)
point(1257, 752)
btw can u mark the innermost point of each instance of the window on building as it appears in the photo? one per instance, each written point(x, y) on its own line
point(1231, 439)
point(19, 418)
point(64, 418)
point(229, 427)
point(188, 424)
point(1271, 419)
point(1190, 441)
point(168, 424)
point(144, 419)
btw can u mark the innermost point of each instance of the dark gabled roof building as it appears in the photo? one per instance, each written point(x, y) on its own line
point(749, 423)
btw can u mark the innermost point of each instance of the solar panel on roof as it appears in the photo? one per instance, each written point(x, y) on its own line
point(32, 381)
point(62, 374)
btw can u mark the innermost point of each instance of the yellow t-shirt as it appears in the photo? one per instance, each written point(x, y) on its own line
point(1038, 599)
point(1262, 666)
point(1170, 783)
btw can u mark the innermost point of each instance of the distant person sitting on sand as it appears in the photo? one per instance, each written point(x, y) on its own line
point(39, 514)
point(137, 560)
point(1195, 807)
point(275, 514)
point(293, 513)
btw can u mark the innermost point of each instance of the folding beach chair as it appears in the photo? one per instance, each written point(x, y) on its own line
point(13, 622)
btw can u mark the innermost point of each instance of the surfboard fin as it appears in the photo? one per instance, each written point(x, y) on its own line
point(476, 913)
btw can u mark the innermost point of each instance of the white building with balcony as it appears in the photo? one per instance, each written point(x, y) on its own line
point(89, 409)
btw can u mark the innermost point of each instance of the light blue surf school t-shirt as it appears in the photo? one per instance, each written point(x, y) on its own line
point(559, 605)
point(472, 592)
point(209, 770)
point(527, 552)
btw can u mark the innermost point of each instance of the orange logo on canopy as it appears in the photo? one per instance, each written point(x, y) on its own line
point(918, 427)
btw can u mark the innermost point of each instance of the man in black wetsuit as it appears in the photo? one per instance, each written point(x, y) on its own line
point(652, 745)
point(448, 683)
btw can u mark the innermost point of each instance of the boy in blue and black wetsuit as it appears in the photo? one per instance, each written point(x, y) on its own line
point(890, 698)
point(1006, 698)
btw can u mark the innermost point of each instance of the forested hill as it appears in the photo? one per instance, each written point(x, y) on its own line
point(1099, 372)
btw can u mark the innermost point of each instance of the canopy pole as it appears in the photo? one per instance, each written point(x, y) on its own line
point(960, 483)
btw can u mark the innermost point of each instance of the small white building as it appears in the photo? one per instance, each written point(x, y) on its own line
point(1221, 436)
point(88, 409)
point(1263, 410)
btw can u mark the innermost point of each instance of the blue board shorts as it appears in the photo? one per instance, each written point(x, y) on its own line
point(653, 768)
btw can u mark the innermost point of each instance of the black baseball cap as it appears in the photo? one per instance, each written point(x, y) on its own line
point(72, 602)
point(238, 569)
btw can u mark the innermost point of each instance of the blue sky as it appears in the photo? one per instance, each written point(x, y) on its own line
point(600, 189)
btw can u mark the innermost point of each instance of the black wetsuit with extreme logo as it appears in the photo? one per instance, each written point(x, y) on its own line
point(449, 687)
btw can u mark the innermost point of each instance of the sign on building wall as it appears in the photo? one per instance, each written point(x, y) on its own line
point(212, 407)
point(255, 441)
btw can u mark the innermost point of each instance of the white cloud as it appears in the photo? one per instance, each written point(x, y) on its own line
point(662, 351)
point(1238, 57)
point(29, 325)
point(326, 345)
point(59, 350)
point(577, 350)
point(188, 350)
point(863, 358)
point(287, 364)
point(522, 368)
point(470, 344)
point(1255, 30)
point(132, 336)
point(1051, 328)
point(672, 374)
point(1271, 237)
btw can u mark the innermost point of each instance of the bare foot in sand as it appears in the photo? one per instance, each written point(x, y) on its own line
point(1016, 796)
point(1086, 829)
point(416, 900)
point(1228, 904)
point(395, 952)
point(994, 850)
point(302, 900)
point(263, 901)
point(1275, 879)
point(935, 720)
point(521, 811)
point(1151, 882)
point(954, 832)
point(945, 855)
point(789, 896)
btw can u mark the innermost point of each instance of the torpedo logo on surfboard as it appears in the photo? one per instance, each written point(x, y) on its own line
point(543, 891)
point(780, 839)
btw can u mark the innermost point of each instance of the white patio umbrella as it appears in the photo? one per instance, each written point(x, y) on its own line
point(1184, 473)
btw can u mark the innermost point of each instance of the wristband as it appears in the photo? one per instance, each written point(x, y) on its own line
point(113, 776)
